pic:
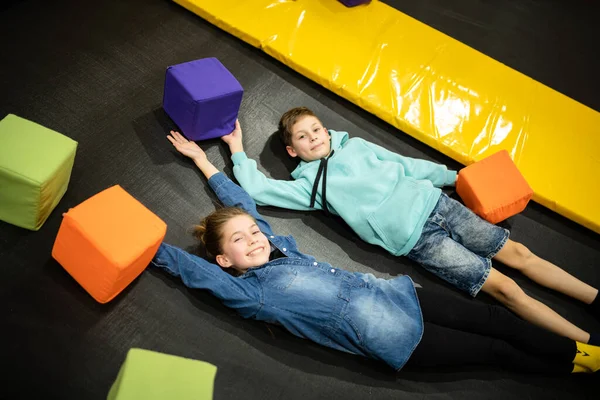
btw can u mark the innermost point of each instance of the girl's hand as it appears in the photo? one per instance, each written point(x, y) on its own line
point(187, 148)
point(234, 139)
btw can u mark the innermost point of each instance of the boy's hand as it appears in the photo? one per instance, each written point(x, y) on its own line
point(234, 139)
point(186, 147)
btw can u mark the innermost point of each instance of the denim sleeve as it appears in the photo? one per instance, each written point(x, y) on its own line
point(231, 195)
point(197, 273)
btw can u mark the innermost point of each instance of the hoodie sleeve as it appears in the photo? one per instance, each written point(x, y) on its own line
point(294, 195)
point(416, 168)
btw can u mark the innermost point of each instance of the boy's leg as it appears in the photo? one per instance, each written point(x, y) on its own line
point(519, 257)
point(465, 270)
point(507, 292)
point(481, 237)
point(491, 241)
point(457, 245)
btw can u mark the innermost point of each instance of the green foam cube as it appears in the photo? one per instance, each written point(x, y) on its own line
point(35, 168)
point(150, 375)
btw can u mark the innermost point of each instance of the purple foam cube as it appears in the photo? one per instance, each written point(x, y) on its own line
point(352, 3)
point(203, 98)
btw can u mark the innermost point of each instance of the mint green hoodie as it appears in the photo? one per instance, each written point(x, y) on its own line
point(385, 197)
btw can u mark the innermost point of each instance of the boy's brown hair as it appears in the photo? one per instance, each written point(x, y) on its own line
point(287, 121)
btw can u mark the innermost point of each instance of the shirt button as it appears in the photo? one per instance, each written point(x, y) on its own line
point(332, 270)
point(315, 263)
point(272, 237)
point(284, 249)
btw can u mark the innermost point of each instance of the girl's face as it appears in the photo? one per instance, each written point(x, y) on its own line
point(244, 245)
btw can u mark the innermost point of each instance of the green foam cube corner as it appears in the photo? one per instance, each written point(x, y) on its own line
point(35, 169)
point(150, 375)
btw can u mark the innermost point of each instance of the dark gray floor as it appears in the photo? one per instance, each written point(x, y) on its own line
point(94, 71)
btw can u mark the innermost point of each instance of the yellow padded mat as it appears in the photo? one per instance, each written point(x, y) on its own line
point(438, 90)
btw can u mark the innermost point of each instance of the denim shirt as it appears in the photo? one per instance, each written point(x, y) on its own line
point(348, 311)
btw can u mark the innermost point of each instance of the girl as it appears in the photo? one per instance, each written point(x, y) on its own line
point(354, 312)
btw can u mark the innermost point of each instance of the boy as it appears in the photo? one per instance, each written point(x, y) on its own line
point(395, 202)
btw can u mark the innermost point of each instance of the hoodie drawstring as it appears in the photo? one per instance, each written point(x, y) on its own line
point(321, 171)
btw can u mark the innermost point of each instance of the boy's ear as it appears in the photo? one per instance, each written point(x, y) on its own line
point(291, 151)
point(223, 261)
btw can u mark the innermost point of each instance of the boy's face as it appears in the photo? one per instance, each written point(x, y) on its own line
point(310, 140)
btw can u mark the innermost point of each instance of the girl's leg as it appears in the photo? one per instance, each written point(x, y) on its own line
point(507, 292)
point(489, 320)
point(492, 335)
point(519, 257)
point(442, 346)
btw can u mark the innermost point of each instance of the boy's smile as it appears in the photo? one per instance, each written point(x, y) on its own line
point(310, 140)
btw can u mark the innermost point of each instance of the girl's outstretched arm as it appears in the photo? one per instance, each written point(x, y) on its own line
point(191, 149)
point(230, 194)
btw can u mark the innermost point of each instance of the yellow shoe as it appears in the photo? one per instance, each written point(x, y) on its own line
point(578, 369)
point(587, 356)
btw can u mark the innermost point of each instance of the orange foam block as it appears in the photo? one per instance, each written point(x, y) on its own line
point(107, 241)
point(494, 188)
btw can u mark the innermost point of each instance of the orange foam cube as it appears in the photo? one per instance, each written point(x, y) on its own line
point(494, 188)
point(107, 241)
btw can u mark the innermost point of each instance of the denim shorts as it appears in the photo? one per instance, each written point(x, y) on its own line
point(457, 245)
